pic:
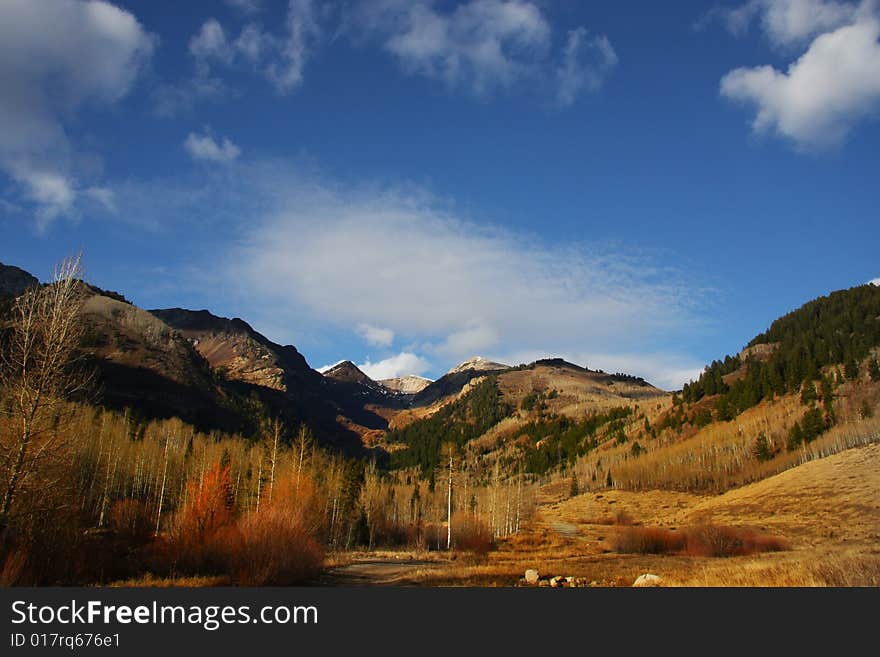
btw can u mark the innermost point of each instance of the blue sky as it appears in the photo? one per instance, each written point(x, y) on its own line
point(635, 187)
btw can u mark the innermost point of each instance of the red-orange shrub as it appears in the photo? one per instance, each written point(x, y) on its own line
point(709, 540)
point(648, 540)
point(207, 510)
point(268, 548)
point(705, 540)
point(470, 534)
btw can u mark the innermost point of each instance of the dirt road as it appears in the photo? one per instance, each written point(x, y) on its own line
point(377, 572)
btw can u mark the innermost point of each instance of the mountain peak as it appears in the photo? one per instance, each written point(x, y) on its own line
point(479, 364)
point(348, 372)
point(410, 384)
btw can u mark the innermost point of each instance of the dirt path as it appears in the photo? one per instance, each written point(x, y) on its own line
point(377, 572)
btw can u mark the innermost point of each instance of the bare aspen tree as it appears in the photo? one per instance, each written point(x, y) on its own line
point(37, 376)
point(449, 453)
point(303, 445)
point(277, 429)
point(164, 480)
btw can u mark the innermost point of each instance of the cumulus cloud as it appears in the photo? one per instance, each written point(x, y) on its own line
point(829, 89)
point(823, 95)
point(55, 57)
point(787, 22)
point(376, 336)
point(478, 44)
point(874, 281)
point(586, 63)
point(206, 148)
point(483, 45)
point(400, 365)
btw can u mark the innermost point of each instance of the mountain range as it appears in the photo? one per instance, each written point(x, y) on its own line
point(220, 374)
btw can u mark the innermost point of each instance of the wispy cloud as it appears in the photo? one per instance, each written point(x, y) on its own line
point(279, 56)
point(246, 6)
point(303, 256)
point(398, 260)
point(586, 62)
point(375, 335)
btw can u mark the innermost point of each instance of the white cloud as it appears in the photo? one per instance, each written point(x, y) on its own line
point(480, 44)
point(400, 365)
point(56, 56)
point(210, 44)
point(586, 63)
point(281, 57)
point(874, 281)
point(823, 95)
point(477, 45)
point(483, 45)
point(206, 148)
point(303, 31)
point(451, 288)
point(789, 22)
point(376, 336)
point(307, 259)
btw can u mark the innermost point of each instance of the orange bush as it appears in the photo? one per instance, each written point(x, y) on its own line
point(207, 510)
point(704, 540)
point(648, 540)
point(718, 541)
point(276, 544)
point(268, 548)
point(470, 534)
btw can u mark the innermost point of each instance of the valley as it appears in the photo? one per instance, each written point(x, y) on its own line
point(203, 452)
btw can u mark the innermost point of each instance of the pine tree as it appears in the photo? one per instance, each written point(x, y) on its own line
point(761, 449)
point(795, 437)
point(808, 394)
point(874, 370)
point(851, 370)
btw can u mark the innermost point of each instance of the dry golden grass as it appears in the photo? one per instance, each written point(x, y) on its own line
point(150, 580)
point(858, 569)
point(827, 510)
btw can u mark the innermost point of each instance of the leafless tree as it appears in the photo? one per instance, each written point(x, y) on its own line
point(39, 373)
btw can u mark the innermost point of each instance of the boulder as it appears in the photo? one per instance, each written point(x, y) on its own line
point(532, 576)
point(647, 580)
